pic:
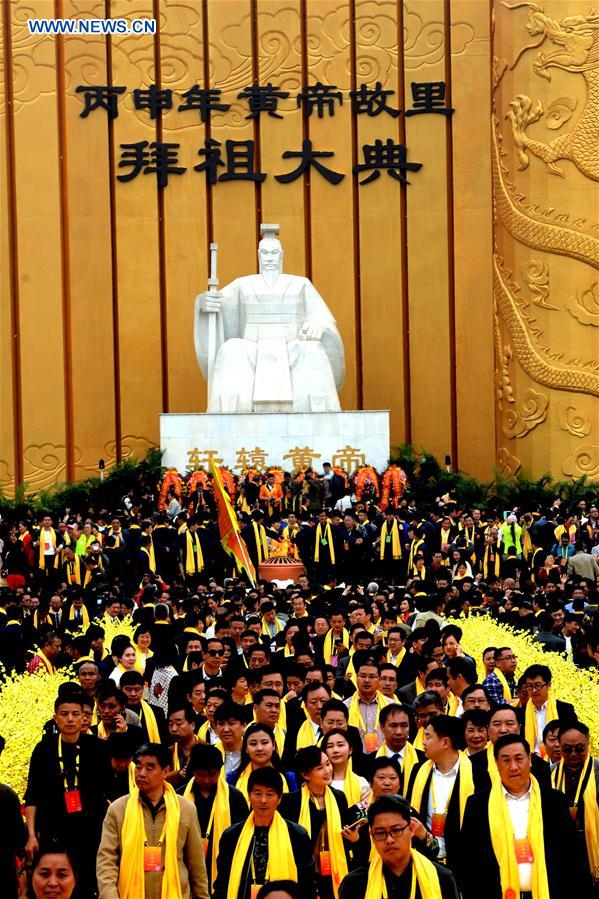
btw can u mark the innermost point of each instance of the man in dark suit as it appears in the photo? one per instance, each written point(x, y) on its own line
point(434, 787)
point(479, 863)
point(265, 789)
point(537, 680)
point(391, 816)
point(504, 721)
point(396, 722)
point(550, 642)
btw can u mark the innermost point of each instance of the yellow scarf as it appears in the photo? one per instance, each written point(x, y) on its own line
point(73, 570)
point(355, 717)
point(591, 810)
point(281, 863)
point(453, 704)
point(466, 784)
point(328, 645)
point(194, 560)
point(410, 760)
point(333, 826)
point(84, 615)
point(419, 739)
point(131, 883)
point(151, 558)
point(420, 687)
point(423, 870)
point(398, 658)
point(530, 723)
point(491, 763)
point(507, 693)
point(487, 569)
point(52, 533)
point(220, 817)
point(395, 543)
point(306, 735)
point(176, 762)
point(260, 538)
point(147, 714)
point(351, 785)
point(202, 736)
point(265, 630)
point(46, 663)
point(414, 547)
point(501, 827)
point(328, 536)
point(141, 659)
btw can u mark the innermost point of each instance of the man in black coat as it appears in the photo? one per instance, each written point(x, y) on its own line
point(443, 814)
point(479, 864)
point(537, 680)
point(265, 788)
point(390, 815)
point(505, 721)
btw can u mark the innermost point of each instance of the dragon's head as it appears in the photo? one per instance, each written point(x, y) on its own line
point(577, 40)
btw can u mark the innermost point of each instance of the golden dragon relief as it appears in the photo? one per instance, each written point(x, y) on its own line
point(577, 42)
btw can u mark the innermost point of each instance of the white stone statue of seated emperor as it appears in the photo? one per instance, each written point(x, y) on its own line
point(275, 347)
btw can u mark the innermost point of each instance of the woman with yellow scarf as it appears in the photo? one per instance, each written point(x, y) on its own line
point(258, 750)
point(323, 812)
point(143, 640)
point(339, 751)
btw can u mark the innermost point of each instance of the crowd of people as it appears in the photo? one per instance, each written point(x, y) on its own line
point(328, 737)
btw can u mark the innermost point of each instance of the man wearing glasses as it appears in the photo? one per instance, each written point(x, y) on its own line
point(397, 869)
point(542, 707)
point(213, 658)
point(577, 776)
point(501, 683)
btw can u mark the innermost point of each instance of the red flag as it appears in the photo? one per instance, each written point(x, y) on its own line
point(230, 537)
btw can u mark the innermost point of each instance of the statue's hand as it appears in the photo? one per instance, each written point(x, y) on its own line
point(210, 303)
point(310, 331)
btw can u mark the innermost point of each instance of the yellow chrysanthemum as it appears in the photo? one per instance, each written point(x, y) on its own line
point(26, 703)
point(569, 683)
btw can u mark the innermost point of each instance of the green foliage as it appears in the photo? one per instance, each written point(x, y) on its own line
point(136, 478)
point(429, 480)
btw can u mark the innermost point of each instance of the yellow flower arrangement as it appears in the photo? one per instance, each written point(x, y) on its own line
point(569, 683)
point(26, 703)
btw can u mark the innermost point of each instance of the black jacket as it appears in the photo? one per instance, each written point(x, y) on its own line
point(356, 882)
point(453, 840)
point(238, 809)
point(291, 807)
point(302, 853)
point(478, 864)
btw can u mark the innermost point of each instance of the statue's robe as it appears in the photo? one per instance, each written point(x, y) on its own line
point(261, 364)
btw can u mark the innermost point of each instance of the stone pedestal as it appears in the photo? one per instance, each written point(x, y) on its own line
point(290, 440)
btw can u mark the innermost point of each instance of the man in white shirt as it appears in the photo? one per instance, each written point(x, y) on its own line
point(551, 841)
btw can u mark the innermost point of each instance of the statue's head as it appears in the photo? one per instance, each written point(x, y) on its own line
point(270, 255)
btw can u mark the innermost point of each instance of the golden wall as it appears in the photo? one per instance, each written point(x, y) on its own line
point(99, 276)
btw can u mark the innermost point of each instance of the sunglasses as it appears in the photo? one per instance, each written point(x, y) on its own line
point(215, 652)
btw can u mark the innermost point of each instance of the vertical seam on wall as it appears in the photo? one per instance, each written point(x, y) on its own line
point(13, 262)
point(450, 242)
point(491, 144)
point(305, 136)
point(256, 121)
point(116, 352)
point(356, 212)
point(65, 257)
point(207, 128)
point(161, 225)
point(403, 249)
